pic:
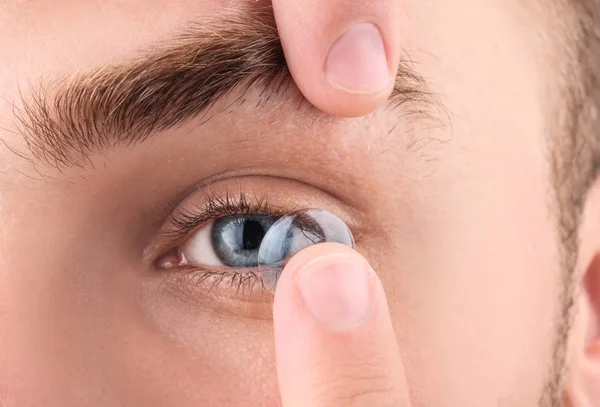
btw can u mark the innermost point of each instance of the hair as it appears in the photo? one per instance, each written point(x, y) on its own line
point(574, 152)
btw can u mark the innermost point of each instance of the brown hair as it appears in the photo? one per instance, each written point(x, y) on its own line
point(574, 150)
point(576, 145)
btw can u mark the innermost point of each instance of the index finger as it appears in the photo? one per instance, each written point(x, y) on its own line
point(334, 341)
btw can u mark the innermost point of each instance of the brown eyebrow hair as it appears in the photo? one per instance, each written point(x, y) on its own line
point(126, 103)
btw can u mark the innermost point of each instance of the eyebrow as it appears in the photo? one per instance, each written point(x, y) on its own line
point(125, 104)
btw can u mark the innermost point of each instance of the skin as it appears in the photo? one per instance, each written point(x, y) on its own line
point(452, 215)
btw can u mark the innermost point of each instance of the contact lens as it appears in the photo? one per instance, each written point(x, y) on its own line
point(294, 232)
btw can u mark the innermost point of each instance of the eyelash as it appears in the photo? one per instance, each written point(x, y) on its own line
point(216, 206)
point(186, 221)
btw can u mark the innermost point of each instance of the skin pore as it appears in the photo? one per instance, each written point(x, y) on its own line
point(150, 109)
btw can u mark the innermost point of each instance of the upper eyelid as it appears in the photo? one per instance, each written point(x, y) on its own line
point(181, 223)
point(185, 221)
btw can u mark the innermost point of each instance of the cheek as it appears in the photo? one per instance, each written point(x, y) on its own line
point(81, 324)
point(474, 284)
point(216, 358)
point(486, 297)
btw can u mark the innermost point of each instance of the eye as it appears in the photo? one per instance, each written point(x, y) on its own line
point(252, 240)
point(247, 248)
point(231, 241)
point(223, 249)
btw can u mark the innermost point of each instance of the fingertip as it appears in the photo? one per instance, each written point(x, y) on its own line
point(340, 103)
point(357, 61)
point(318, 251)
point(330, 283)
point(286, 290)
point(357, 77)
point(343, 56)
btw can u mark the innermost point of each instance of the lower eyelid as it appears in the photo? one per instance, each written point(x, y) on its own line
point(220, 291)
point(245, 283)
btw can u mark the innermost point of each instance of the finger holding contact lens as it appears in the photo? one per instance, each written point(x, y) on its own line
point(294, 232)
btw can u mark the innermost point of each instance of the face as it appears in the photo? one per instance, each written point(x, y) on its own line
point(447, 198)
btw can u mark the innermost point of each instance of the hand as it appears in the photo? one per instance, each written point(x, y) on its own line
point(343, 55)
point(335, 346)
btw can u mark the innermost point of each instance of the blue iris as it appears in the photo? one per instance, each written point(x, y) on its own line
point(236, 239)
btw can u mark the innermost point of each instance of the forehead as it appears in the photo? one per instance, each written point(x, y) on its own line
point(58, 38)
point(61, 36)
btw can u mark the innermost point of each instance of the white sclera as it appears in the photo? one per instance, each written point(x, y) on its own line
point(294, 232)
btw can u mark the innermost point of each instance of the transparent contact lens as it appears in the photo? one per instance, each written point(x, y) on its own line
point(294, 232)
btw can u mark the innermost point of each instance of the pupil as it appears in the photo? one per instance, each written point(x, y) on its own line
point(252, 235)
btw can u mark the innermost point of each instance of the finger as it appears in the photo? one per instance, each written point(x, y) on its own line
point(342, 54)
point(334, 341)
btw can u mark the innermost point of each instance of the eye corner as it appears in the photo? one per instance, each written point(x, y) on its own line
point(168, 260)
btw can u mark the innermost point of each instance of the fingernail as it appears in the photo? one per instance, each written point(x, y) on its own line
point(357, 62)
point(336, 290)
